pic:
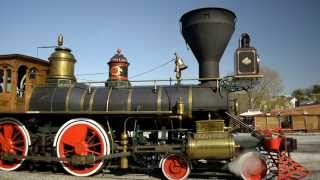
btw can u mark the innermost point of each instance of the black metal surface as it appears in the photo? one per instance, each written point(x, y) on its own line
point(143, 98)
point(77, 93)
point(99, 99)
point(59, 103)
point(208, 31)
point(208, 98)
point(41, 98)
point(118, 100)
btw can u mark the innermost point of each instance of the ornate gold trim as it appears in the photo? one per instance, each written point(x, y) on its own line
point(190, 102)
point(91, 99)
point(108, 99)
point(129, 105)
point(159, 99)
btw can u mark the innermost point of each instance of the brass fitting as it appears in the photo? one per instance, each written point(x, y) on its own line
point(180, 108)
point(61, 64)
point(124, 143)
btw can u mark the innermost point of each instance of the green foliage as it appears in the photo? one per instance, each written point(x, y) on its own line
point(311, 94)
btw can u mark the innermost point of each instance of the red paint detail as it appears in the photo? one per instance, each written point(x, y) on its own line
point(12, 141)
point(82, 149)
point(78, 139)
point(272, 143)
point(289, 169)
point(75, 135)
point(254, 168)
point(8, 130)
point(175, 167)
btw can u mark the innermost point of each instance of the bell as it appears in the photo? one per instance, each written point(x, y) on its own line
point(179, 64)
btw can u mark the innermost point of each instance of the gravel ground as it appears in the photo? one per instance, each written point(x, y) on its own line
point(308, 154)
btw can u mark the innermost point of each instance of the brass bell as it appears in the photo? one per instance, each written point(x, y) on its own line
point(179, 63)
point(179, 67)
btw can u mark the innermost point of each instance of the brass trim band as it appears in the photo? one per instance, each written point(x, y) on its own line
point(159, 99)
point(68, 97)
point(82, 99)
point(108, 99)
point(52, 98)
point(91, 99)
point(190, 102)
point(129, 105)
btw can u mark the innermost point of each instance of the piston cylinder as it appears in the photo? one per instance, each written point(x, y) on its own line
point(213, 145)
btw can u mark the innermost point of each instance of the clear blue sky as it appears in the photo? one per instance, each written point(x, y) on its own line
point(286, 34)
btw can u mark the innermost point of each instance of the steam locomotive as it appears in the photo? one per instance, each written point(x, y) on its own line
point(87, 128)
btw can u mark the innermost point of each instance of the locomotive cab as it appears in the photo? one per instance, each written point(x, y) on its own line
point(18, 75)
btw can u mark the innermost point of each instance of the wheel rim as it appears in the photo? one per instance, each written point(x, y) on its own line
point(82, 139)
point(13, 141)
point(253, 167)
point(175, 167)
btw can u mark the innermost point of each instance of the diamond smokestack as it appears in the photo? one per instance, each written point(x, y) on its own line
point(207, 32)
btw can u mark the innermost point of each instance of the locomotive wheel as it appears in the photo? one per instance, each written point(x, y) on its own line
point(175, 167)
point(83, 144)
point(253, 167)
point(14, 141)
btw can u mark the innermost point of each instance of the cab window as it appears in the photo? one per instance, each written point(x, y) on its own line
point(22, 74)
point(1, 80)
point(33, 73)
point(5, 79)
point(9, 77)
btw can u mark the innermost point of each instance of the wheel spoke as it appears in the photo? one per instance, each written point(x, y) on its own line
point(68, 151)
point(1, 138)
point(18, 149)
point(94, 152)
point(8, 130)
point(93, 145)
point(18, 142)
point(91, 137)
point(75, 134)
point(16, 135)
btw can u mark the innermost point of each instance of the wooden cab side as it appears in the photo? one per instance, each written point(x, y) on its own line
point(19, 74)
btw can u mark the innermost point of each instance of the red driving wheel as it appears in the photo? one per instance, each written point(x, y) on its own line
point(175, 167)
point(253, 167)
point(85, 139)
point(13, 144)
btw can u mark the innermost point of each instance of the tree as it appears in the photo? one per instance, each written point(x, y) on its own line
point(270, 86)
point(311, 94)
point(265, 95)
point(316, 93)
point(299, 94)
